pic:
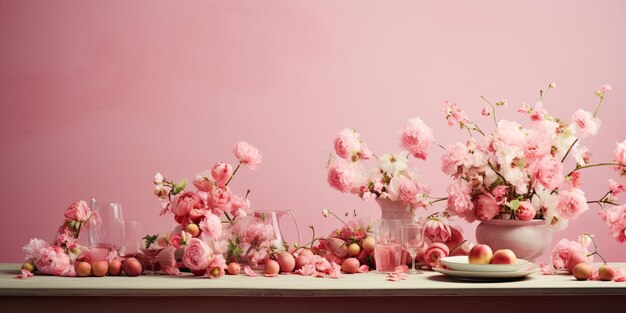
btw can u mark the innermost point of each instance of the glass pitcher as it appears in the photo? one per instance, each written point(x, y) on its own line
point(105, 234)
point(273, 218)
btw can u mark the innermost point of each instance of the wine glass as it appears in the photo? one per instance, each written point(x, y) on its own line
point(412, 240)
point(150, 250)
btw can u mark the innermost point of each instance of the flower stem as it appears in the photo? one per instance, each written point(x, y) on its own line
point(569, 150)
point(594, 165)
point(595, 112)
point(595, 248)
point(234, 172)
point(493, 110)
point(460, 244)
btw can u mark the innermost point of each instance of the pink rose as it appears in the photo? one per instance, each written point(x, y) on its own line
point(78, 211)
point(434, 253)
point(202, 182)
point(211, 226)
point(416, 138)
point(348, 145)
point(341, 175)
point(219, 198)
point(548, 172)
point(221, 172)
point(459, 201)
point(453, 158)
point(217, 267)
point(615, 218)
point(572, 203)
point(197, 255)
point(176, 241)
point(486, 207)
point(585, 123)
point(562, 252)
point(185, 202)
point(33, 248)
point(526, 211)
point(53, 260)
point(437, 230)
point(196, 215)
point(247, 155)
point(65, 236)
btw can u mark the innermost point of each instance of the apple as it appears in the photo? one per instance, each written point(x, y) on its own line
point(115, 268)
point(368, 244)
point(286, 261)
point(480, 254)
point(504, 256)
point(234, 268)
point(354, 249)
point(606, 272)
point(193, 229)
point(83, 269)
point(575, 258)
point(582, 271)
point(350, 266)
point(100, 268)
point(132, 267)
point(272, 267)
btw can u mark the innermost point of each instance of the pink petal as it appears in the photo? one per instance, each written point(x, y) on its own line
point(620, 275)
point(545, 269)
point(364, 268)
point(171, 270)
point(400, 269)
point(248, 271)
point(24, 274)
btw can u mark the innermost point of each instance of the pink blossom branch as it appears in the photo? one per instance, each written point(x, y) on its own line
point(234, 172)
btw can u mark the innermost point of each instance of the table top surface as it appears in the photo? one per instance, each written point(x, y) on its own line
point(366, 284)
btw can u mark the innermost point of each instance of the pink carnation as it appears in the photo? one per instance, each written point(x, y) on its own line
point(416, 138)
point(526, 211)
point(538, 145)
point(247, 155)
point(459, 201)
point(437, 230)
point(78, 211)
point(54, 261)
point(572, 203)
point(197, 255)
point(211, 226)
point(615, 218)
point(585, 123)
point(453, 158)
point(341, 175)
point(486, 207)
point(348, 145)
point(219, 199)
point(185, 202)
point(221, 172)
point(548, 172)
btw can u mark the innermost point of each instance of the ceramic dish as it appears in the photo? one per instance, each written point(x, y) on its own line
point(461, 263)
point(487, 276)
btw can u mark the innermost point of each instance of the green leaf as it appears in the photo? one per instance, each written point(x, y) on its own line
point(182, 184)
point(150, 240)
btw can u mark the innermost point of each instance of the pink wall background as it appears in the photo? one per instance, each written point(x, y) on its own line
point(95, 97)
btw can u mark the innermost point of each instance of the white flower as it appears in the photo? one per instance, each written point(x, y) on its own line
point(393, 163)
point(581, 154)
point(325, 212)
point(158, 178)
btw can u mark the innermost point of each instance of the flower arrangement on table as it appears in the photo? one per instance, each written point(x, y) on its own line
point(517, 173)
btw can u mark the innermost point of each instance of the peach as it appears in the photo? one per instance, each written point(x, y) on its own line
point(234, 268)
point(606, 272)
point(115, 268)
point(83, 269)
point(132, 267)
point(480, 254)
point(575, 258)
point(272, 267)
point(286, 261)
point(193, 229)
point(302, 260)
point(350, 266)
point(368, 244)
point(100, 268)
point(354, 249)
point(504, 256)
point(582, 271)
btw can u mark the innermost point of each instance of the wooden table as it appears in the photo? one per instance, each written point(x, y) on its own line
point(428, 292)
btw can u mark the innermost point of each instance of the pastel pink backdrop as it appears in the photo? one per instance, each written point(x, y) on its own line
point(98, 96)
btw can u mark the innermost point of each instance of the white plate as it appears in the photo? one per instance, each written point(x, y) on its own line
point(487, 276)
point(461, 263)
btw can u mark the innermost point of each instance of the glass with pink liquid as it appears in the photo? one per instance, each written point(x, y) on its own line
point(388, 249)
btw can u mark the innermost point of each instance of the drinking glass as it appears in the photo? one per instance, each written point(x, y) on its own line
point(151, 251)
point(412, 240)
point(388, 248)
point(132, 238)
point(119, 232)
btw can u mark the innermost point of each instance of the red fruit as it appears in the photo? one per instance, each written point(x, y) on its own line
point(480, 254)
point(234, 268)
point(272, 267)
point(582, 271)
point(606, 272)
point(132, 267)
point(350, 266)
point(83, 269)
point(100, 268)
point(504, 256)
point(286, 262)
point(115, 268)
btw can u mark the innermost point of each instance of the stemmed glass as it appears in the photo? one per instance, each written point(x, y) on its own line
point(412, 241)
point(150, 251)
